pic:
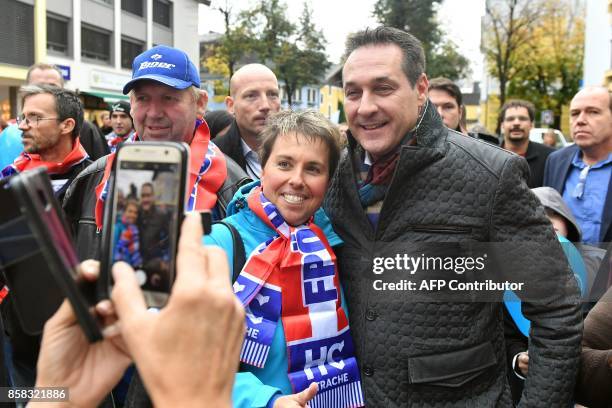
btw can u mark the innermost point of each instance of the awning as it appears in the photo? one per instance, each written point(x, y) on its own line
point(107, 96)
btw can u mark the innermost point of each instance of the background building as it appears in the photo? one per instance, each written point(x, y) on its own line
point(598, 43)
point(92, 41)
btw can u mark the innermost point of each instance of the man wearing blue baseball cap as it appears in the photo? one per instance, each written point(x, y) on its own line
point(165, 97)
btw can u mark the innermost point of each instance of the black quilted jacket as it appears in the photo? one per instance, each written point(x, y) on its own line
point(452, 188)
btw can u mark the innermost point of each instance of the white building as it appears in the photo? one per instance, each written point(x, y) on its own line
point(93, 41)
point(597, 43)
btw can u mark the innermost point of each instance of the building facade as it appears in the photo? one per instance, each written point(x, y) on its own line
point(92, 41)
point(597, 43)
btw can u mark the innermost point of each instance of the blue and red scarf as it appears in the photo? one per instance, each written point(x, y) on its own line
point(26, 161)
point(114, 140)
point(128, 244)
point(207, 173)
point(294, 277)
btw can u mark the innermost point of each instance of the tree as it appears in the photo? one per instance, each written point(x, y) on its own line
point(508, 28)
point(294, 52)
point(550, 66)
point(236, 40)
point(419, 17)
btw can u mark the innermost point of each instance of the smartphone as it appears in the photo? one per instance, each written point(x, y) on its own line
point(39, 286)
point(147, 192)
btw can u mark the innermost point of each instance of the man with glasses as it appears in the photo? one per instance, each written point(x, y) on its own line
point(50, 121)
point(516, 121)
point(581, 172)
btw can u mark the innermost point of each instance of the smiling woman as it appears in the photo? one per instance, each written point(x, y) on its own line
point(297, 297)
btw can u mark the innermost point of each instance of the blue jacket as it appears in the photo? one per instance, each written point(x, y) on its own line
point(10, 145)
point(555, 173)
point(259, 387)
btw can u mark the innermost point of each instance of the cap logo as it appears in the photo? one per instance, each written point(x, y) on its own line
point(156, 56)
point(156, 64)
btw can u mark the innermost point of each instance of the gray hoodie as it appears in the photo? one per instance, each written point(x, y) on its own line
point(552, 200)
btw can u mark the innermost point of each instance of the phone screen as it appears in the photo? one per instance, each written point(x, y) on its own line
point(145, 223)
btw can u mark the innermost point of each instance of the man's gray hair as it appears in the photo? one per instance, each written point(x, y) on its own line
point(43, 66)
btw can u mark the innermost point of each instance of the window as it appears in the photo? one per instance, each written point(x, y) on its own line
point(297, 95)
point(57, 35)
point(95, 44)
point(133, 6)
point(16, 28)
point(162, 12)
point(129, 50)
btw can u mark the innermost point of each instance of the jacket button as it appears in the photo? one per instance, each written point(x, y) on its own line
point(368, 371)
point(371, 315)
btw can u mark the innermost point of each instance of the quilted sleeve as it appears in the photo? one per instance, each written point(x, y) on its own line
point(550, 297)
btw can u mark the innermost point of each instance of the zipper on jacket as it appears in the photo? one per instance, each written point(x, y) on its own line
point(448, 229)
point(87, 221)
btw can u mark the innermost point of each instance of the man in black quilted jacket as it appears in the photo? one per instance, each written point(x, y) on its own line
point(407, 186)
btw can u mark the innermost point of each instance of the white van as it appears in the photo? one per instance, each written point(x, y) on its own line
point(536, 134)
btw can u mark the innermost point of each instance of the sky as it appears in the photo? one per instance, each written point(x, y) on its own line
point(336, 22)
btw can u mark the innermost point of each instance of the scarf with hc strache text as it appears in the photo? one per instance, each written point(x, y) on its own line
point(26, 161)
point(207, 173)
point(294, 277)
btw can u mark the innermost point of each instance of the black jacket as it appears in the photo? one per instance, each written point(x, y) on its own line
point(536, 156)
point(451, 189)
point(25, 347)
point(230, 145)
point(92, 141)
point(80, 204)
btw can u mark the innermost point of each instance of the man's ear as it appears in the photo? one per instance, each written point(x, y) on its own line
point(422, 86)
point(203, 102)
point(229, 104)
point(67, 126)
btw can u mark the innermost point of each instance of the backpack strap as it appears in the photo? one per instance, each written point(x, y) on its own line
point(239, 254)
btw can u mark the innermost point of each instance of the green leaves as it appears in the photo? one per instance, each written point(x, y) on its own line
point(418, 17)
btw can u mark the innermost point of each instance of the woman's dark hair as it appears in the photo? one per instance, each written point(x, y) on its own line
point(310, 124)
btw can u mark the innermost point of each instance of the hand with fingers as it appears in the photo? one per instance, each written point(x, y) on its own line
point(299, 400)
point(187, 354)
point(523, 362)
point(68, 359)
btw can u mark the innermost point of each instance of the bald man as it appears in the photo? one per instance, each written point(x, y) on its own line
point(582, 172)
point(254, 95)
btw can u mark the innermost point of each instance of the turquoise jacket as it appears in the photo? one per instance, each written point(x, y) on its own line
point(513, 303)
point(259, 387)
point(10, 145)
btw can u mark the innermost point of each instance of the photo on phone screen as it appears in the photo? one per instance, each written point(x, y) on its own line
point(147, 204)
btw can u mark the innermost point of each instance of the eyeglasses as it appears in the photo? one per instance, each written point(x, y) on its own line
point(30, 120)
point(579, 189)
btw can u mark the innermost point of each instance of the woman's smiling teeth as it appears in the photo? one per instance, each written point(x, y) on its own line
point(293, 198)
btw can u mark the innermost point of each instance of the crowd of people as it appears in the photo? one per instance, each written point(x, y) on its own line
point(276, 307)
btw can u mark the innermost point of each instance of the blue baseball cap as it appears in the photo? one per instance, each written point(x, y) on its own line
point(167, 65)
